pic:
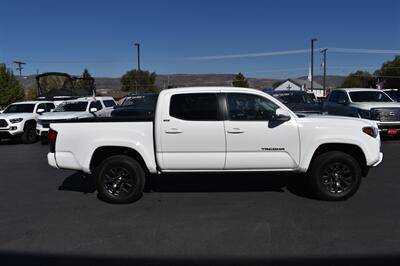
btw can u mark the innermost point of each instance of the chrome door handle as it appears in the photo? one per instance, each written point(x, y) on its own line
point(235, 131)
point(173, 131)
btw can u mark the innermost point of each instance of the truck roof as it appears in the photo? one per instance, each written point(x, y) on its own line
point(31, 102)
point(357, 89)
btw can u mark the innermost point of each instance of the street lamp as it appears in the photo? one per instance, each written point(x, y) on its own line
point(323, 51)
point(312, 62)
point(138, 55)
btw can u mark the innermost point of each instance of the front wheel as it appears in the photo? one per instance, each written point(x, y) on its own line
point(335, 176)
point(120, 179)
point(29, 136)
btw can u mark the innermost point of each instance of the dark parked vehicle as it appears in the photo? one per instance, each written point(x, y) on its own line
point(137, 106)
point(394, 94)
point(299, 102)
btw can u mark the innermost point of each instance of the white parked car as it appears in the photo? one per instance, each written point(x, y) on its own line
point(19, 119)
point(210, 129)
point(75, 109)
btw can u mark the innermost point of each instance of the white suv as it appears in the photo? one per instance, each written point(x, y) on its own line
point(19, 119)
point(73, 110)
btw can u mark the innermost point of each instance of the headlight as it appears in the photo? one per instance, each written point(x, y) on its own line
point(364, 114)
point(16, 120)
point(372, 131)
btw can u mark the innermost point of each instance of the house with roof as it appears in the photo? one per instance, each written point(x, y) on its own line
point(302, 85)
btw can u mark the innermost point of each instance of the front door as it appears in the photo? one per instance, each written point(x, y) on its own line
point(254, 139)
point(192, 133)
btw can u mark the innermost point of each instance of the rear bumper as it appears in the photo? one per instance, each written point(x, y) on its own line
point(51, 159)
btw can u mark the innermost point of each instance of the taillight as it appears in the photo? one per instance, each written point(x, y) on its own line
point(52, 137)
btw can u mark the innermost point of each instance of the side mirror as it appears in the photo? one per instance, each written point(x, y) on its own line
point(282, 115)
point(93, 110)
point(40, 111)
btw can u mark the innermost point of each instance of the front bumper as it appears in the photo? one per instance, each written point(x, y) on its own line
point(389, 128)
point(379, 161)
point(40, 130)
point(12, 130)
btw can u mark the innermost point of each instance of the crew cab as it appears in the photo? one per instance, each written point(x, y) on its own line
point(75, 109)
point(217, 129)
point(371, 104)
point(19, 119)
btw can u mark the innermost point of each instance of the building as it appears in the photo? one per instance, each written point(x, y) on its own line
point(302, 85)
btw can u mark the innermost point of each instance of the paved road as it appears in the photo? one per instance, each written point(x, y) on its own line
point(50, 216)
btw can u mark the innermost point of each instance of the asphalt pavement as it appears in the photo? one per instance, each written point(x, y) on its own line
point(53, 217)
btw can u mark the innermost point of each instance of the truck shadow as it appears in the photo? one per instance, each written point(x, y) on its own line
point(237, 182)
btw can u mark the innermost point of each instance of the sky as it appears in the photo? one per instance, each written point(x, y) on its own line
point(265, 39)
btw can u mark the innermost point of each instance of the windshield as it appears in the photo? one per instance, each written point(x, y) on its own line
point(395, 95)
point(19, 108)
point(141, 101)
point(72, 107)
point(294, 98)
point(369, 96)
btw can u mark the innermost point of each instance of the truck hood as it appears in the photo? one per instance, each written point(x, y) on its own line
point(18, 115)
point(337, 121)
point(64, 115)
point(369, 105)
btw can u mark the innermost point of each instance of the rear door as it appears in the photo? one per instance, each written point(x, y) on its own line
point(192, 132)
point(254, 139)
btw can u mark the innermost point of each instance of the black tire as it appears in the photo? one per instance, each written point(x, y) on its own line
point(44, 140)
point(335, 176)
point(120, 179)
point(29, 136)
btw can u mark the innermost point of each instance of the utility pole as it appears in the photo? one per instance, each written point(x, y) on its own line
point(323, 51)
point(138, 55)
point(312, 63)
point(19, 66)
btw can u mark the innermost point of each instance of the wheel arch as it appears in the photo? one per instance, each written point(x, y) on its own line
point(350, 149)
point(104, 152)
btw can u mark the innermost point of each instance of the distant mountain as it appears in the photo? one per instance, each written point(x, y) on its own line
point(105, 84)
point(331, 81)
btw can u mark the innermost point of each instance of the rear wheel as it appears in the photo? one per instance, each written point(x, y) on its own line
point(120, 179)
point(29, 136)
point(335, 176)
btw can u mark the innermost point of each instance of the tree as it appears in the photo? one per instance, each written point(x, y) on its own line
point(86, 82)
point(10, 88)
point(139, 80)
point(240, 81)
point(390, 74)
point(359, 79)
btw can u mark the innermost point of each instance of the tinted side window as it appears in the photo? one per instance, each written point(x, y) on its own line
point(342, 97)
point(96, 104)
point(194, 106)
point(109, 103)
point(41, 106)
point(49, 107)
point(334, 96)
point(248, 107)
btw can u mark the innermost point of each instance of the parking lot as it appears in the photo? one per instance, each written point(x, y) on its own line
point(50, 216)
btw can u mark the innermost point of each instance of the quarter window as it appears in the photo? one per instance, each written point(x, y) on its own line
point(109, 103)
point(249, 107)
point(194, 106)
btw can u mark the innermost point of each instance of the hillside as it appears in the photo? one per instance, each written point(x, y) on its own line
point(186, 80)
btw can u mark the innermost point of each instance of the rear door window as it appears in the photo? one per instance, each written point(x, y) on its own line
point(194, 106)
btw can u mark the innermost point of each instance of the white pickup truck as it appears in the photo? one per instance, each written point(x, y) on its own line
point(209, 129)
